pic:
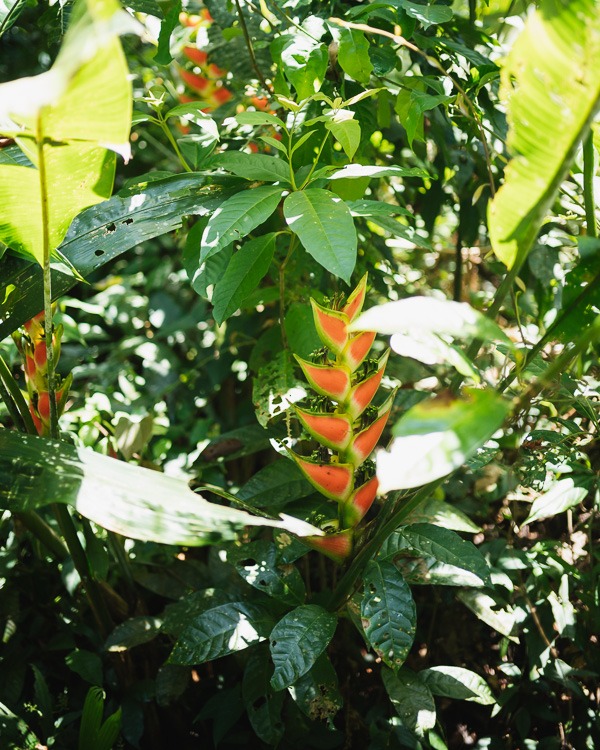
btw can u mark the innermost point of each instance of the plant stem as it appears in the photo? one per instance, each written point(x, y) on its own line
point(167, 131)
point(16, 396)
point(250, 47)
point(282, 268)
point(316, 161)
point(458, 269)
point(589, 171)
point(43, 533)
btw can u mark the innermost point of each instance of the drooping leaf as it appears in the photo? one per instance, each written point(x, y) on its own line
point(563, 494)
point(551, 84)
point(347, 134)
point(169, 22)
point(297, 641)
point(128, 499)
point(317, 693)
point(388, 613)
point(304, 62)
point(221, 631)
point(325, 227)
point(102, 233)
point(447, 547)
point(244, 272)
point(254, 166)
point(133, 632)
point(262, 703)
point(411, 698)
point(353, 55)
point(489, 611)
point(437, 436)
point(458, 683)
point(237, 217)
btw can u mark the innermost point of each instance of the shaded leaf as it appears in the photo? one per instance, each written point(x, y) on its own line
point(388, 612)
point(317, 693)
point(221, 631)
point(259, 565)
point(353, 55)
point(411, 698)
point(486, 609)
point(297, 641)
point(275, 485)
point(133, 632)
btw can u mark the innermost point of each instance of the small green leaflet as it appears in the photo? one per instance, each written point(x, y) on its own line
point(221, 631)
point(237, 217)
point(411, 698)
point(388, 612)
point(324, 225)
point(254, 166)
point(347, 134)
point(297, 641)
point(243, 274)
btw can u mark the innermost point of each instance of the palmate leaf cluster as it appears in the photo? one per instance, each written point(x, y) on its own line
point(155, 586)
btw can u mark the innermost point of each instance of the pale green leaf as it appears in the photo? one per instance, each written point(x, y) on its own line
point(563, 495)
point(435, 437)
point(487, 610)
point(426, 14)
point(243, 274)
point(347, 134)
point(259, 118)
point(388, 612)
point(221, 631)
point(125, 498)
point(458, 683)
point(442, 513)
point(254, 166)
point(411, 699)
point(297, 641)
point(325, 227)
point(353, 55)
point(237, 217)
point(551, 85)
point(353, 171)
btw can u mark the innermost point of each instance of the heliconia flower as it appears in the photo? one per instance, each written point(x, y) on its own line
point(357, 348)
point(333, 480)
point(364, 443)
point(195, 55)
point(337, 546)
point(196, 82)
point(40, 355)
point(332, 430)
point(359, 502)
point(356, 300)
point(362, 393)
point(331, 327)
point(328, 380)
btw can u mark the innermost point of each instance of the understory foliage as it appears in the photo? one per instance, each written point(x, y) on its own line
point(299, 383)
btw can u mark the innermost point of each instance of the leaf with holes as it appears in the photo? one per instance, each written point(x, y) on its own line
point(221, 631)
point(411, 698)
point(325, 227)
point(317, 693)
point(259, 565)
point(237, 217)
point(297, 641)
point(388, 612)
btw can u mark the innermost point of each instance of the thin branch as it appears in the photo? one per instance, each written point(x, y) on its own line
point(250, 47)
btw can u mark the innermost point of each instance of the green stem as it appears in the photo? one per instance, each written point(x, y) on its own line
point(11, 406)
point(17, 397)
point(316, 161)
point(589, 171)
point(170, 137)
point(282, 268)
point(43, 533)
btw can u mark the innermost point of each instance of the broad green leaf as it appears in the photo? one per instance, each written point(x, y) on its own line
point(411, 698)
point(563, 495)
point(125, 498)
point(180, 614)
point(317, 693)
point(102, 233)
point(259, 118)
point(487, 610)
point(437, 436)
point(133, 632)
point(237, 217)
point(87, 664)
point(304, 64)
point(447, 547)
point(388, 613)
point(297, 641)
point(262, 703)
point(243, 274)
point(163, 55)
point(254, 166)
point(427, 15)
point(353, 171)
point(458, 683)
point(300, 330)
point(347, 134)
point(324, 226)
point(221, 631)
point(443, 514)
point(353, 55)
point(259, 565)
point(551, 85)
point(275, 485)
point(411, 117)
point(429, 316)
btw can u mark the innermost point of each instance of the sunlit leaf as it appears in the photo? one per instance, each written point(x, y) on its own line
point(458, 683)
point(353, 55)
point(563, 494)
